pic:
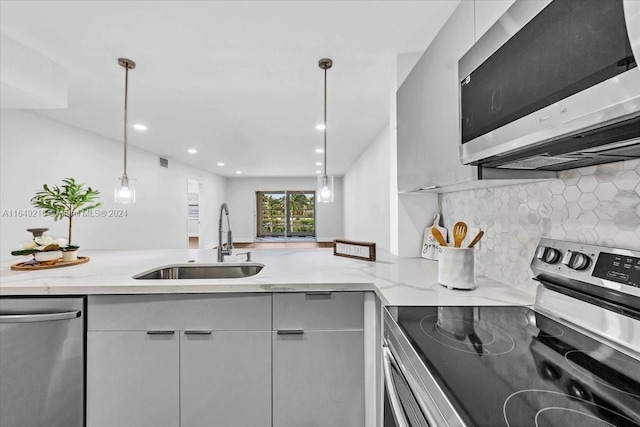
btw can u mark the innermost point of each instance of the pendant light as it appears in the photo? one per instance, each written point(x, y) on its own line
point(325, 183)
point(125, 191)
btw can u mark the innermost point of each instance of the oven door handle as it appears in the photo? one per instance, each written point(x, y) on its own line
point(394, 400)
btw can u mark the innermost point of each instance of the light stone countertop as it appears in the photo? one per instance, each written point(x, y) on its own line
point(397, 281)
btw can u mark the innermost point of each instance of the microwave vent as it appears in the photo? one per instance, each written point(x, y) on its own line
point(536, 162)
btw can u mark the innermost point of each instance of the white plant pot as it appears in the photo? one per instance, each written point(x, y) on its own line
point(49, 256)
point(69, 256)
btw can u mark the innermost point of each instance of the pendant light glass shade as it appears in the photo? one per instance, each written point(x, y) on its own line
point(324, 194)
point(325, 182)
point(125, 189)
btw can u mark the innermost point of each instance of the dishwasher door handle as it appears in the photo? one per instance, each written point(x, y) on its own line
point(39, 317)
point(394, 400)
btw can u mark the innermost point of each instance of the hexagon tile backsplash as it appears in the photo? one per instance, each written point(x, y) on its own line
point(597, 204)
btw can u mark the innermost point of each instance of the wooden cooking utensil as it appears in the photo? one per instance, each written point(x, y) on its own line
point(476, 239)
point(438, 235)
point(459, 233)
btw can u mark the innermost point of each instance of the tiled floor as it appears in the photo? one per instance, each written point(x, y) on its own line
point(272, 243)
point(285, 244)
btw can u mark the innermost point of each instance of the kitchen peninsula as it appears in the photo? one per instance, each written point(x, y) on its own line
point(396, 281)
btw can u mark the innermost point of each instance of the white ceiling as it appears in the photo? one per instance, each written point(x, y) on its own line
point(237, 80)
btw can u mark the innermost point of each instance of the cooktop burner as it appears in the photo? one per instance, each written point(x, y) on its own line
point(511, 366)
point(543, 408)
point(456, 328)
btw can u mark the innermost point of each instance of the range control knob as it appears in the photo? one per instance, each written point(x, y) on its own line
point(576, 260)
point(548, 255)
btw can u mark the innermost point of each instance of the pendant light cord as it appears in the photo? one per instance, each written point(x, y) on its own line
point(325, 124)
point(126, 91)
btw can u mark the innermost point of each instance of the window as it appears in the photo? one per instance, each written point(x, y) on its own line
point(286, 214)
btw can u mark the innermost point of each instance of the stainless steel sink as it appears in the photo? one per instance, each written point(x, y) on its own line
point(203, 271)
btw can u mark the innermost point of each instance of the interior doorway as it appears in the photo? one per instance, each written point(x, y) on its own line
point(194, 212)
point(285, 215)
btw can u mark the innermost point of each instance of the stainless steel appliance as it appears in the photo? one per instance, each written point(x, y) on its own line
point(553, 85)
point(571, 359)
point(42, 362)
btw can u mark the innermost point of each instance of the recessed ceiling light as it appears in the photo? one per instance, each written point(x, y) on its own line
point(238, 172)
point(318, 171)
point(319, 150)
point(318, 163)
point(321, 126)
point(220, 164)
point(139, 126)
point(192, 151)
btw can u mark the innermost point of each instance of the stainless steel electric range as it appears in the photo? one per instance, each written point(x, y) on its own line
point(573, 359)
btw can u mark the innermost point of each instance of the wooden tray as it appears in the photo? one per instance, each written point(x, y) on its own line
point(22, 267)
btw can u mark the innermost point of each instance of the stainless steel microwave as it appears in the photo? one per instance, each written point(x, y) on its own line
point(553, 85)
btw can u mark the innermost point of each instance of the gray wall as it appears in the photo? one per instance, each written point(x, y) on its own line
point(367, 207)
point(36, 150)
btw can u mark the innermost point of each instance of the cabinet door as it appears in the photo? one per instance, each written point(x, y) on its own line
point(427, 109)
point(132, 379)
point(318, 379)
point(225, 379)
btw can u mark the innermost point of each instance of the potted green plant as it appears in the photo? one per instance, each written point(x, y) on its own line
point(66, 201)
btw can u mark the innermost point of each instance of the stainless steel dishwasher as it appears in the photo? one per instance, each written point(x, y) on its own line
point(42, 362)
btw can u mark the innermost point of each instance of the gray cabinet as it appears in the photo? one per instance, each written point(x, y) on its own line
point(318, 360)
point(318, 310)
point(232, 360)
point(428, 119)
point(179, 360)
point(132, 379)
point(225, 378)
point(427, 108)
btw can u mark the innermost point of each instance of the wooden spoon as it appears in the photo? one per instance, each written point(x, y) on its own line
point(438, 235)
point(459, 233)
point(476, 239)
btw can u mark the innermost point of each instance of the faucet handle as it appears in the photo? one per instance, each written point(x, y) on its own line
point(229, 240)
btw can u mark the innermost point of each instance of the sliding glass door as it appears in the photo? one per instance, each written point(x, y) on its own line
point(286, 214)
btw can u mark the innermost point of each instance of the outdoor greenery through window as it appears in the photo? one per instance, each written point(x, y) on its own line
point(286, 213)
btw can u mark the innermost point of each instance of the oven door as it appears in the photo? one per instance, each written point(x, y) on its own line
point(401, 408)
point(421, 400)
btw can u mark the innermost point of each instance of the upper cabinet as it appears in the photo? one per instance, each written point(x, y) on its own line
point(487, 12)
point(427, 108)
point(428, 111)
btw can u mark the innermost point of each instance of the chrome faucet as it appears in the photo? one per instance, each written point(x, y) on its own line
point(229, 244)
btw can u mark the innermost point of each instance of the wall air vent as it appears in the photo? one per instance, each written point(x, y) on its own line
point(163, 162)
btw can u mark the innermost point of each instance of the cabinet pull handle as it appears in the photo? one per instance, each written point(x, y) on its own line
point(160, 332)
point(318, 293)
point(197, 332)
point(291, 332)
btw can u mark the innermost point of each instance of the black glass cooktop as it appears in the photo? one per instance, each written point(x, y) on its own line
point(510, 366)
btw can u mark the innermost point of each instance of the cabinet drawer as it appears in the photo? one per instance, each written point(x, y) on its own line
point(313, 310)
point(232, 312)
